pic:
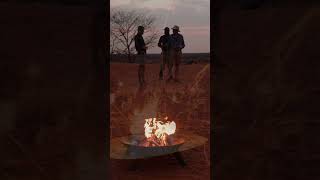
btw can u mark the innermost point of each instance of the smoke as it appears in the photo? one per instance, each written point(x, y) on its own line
point(148, 110)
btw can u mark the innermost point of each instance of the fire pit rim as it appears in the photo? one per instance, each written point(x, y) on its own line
point(127, 141)
point(121, 151)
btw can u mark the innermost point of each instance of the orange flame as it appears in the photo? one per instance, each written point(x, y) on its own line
point(158, 131)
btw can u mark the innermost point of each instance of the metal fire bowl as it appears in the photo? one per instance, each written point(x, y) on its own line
point(134, 148)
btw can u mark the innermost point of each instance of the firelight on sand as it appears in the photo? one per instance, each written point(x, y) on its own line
point(157, 132)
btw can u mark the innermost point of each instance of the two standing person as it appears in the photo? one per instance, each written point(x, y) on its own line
point(171, 46)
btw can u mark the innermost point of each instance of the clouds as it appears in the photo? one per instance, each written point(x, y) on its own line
point(193, 17)
point(116, 3)
point(142, 4)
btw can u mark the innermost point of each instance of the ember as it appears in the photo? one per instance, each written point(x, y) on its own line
point(158, 133)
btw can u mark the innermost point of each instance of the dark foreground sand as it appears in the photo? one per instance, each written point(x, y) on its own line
point(188, 102)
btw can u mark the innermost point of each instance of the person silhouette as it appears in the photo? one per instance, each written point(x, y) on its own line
point(141, 51)
point(165, 45)
point(177, 44)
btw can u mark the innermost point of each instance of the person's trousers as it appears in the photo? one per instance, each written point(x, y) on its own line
point(140, 59)
point(174, 61)
point(165, 58)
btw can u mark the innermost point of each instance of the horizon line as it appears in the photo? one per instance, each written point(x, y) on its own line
point(182, 53)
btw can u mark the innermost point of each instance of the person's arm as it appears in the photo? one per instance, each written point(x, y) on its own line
point(182, 42)
point(143, 45)
point(160, 42)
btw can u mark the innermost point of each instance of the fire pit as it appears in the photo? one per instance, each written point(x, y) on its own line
point(121, 148)
point(143, 148)
point(159, 138)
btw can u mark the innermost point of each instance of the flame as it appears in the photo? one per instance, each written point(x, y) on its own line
point(157, 131)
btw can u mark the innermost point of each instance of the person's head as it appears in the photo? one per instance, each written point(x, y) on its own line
point(175, 29)
point(140, 30)
point(166, 31)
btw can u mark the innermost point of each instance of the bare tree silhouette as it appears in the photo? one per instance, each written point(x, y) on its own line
point(124, 24)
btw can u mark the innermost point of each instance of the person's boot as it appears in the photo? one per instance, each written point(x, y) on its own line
point(143, 80)
point(140, 82)
point(161, 75)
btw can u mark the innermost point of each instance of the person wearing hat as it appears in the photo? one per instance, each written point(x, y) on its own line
point(164, 44)
point(141, 51)
point(177, 44)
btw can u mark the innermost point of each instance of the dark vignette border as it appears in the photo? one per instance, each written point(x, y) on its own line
point(213, 58)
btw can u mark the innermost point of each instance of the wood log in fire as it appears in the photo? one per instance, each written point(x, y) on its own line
point(164, 140)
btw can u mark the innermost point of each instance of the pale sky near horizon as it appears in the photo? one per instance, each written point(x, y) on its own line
point(192, 16)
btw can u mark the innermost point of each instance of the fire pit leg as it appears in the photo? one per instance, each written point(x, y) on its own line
point(180, 159)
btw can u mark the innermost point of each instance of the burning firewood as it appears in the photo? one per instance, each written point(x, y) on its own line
point(154, 142)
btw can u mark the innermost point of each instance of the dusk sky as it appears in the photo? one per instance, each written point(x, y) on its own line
point(192, 16)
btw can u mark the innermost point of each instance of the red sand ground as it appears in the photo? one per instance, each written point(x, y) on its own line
point(188, 99)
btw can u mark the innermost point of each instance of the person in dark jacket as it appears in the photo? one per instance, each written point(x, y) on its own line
point(164, 44)
point(141, 51)
point(177, 44)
